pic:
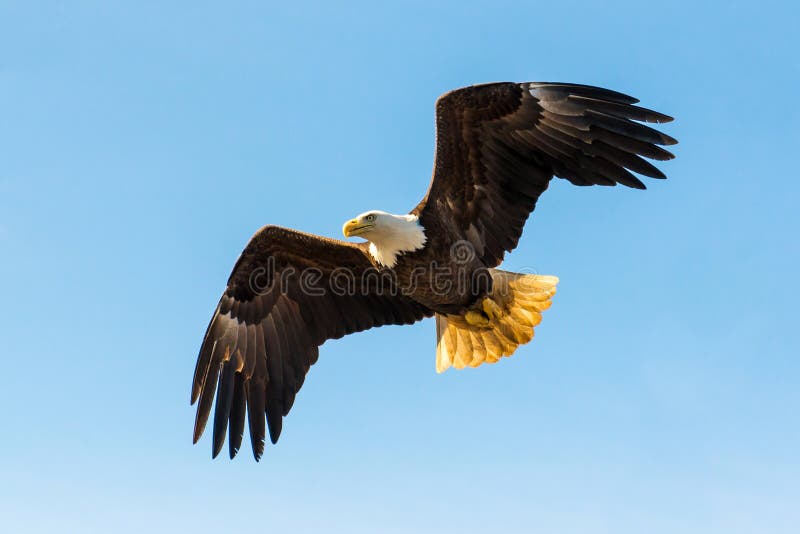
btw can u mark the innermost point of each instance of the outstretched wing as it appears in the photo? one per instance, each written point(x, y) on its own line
point(498, 145)
point(288, 293)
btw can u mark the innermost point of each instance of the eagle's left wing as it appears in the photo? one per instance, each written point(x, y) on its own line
point(498, 145)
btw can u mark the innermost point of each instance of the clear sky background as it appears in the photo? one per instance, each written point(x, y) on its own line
point(142, 143)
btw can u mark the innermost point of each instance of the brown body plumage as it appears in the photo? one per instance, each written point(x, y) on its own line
point(497, 148)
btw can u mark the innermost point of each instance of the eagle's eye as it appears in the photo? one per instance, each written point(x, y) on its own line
point(370, 218)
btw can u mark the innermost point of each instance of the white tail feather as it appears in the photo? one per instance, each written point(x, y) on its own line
point(521, 297)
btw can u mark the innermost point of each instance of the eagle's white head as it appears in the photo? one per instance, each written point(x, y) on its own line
point(388, 235)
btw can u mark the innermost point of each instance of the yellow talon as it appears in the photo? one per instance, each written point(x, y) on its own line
point(491, 309)
point(475, 318)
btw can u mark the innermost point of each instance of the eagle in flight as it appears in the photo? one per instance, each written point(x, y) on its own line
point(498, 146)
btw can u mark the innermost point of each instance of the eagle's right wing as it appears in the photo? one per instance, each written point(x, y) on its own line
point(288, 293)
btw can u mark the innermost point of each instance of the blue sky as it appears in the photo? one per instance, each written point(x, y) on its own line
point(141, 144)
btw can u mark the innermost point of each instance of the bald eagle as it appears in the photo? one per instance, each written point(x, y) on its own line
point(497, 147)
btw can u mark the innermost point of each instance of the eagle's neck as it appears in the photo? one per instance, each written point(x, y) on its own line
point(403, 233)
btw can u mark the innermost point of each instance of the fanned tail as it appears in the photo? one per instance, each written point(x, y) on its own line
point(521, 299)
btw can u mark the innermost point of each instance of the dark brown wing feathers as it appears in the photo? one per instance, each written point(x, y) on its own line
point(498, 145)
point(264, 335)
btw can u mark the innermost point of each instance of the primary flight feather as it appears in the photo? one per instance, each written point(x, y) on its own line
point(497, 148)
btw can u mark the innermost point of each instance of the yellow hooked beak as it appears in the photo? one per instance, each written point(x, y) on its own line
point(355, 228)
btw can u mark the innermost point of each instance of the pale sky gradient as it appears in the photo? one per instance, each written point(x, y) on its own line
point(142, 143)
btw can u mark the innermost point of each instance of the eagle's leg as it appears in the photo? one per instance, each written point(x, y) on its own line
point(491, 309)
point(476, 318)
point(484, 314)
